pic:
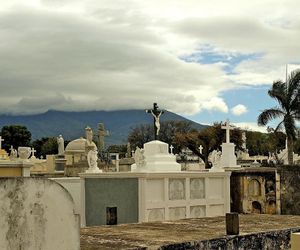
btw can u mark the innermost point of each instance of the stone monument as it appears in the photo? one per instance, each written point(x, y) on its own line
point(155, 156)
point(101, 137)
point(60, 161)
point(228, 158)
point(92, 158)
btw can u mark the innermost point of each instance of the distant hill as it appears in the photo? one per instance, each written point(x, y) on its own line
point(71, 124)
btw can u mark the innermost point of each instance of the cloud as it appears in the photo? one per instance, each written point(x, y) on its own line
point(215, 104)
point(250, 126)
point(80, 55)
point(239, 110)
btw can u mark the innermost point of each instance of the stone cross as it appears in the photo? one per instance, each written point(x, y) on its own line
point(1, 140)
point(171, 148)
point(200, 149)
point(102, 133)
point(33, 151)
point(228, 128)
point(156, 113)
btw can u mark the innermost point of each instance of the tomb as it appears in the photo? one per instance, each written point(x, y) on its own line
point(155, 190)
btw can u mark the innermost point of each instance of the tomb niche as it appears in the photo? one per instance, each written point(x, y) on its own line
point(254, 188)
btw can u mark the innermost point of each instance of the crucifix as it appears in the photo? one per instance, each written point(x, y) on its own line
point(228, 128)
point(1, 140)
point(156, 113)
point(200, 149)
point(171, 148)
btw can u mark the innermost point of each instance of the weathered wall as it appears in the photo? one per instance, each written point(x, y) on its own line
point(253, 190)
point(102, 193)
point(290, 189)
point(36, 213)
point(279, 239)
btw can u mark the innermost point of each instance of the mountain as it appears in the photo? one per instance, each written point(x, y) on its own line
point(71, 124)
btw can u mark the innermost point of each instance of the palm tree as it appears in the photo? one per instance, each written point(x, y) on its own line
point(287, 94)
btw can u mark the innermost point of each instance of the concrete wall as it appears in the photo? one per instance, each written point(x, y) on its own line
point(142, 197)
point(72, 184)
point(289, 189)
point(36, 214)
point(103, 193)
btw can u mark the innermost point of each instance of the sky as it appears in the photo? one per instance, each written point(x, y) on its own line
point(206, 60)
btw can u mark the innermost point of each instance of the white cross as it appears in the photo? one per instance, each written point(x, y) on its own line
point(200, 149)
point(227, 127)
point(11, 148)
point(33, 151)
point(171, 148)
point(1, 140)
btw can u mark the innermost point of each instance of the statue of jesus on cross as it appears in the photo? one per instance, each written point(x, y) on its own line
point(156, 113)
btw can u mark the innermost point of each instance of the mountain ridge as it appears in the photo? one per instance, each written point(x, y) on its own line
point(71, 124)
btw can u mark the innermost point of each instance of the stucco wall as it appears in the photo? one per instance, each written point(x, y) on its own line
point(102, 193)
point(36, 213)
point(72, 184)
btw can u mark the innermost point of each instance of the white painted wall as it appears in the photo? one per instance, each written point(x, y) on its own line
point(182, 195)
point(72, 185)
point(37, 213)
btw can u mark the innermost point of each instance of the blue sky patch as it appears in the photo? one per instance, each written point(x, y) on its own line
point(230, 60)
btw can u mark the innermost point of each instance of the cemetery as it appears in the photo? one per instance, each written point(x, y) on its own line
point(153, 194)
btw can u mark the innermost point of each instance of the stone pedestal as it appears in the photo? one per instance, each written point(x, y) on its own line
point(60, 163)
point(228, 158)
point(157, 159)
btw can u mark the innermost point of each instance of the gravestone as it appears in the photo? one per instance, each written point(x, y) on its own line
point(228, 158)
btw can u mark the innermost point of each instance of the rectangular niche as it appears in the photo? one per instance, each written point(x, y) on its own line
point(155, 190)
point(216, 188)
point(156, 214)
point(176, 189)
point(177, 213)
point(197, 188)
point(197, 212)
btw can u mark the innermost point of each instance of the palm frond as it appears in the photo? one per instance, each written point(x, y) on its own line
point(290, 126)
point(278, 92)
point(268, 115)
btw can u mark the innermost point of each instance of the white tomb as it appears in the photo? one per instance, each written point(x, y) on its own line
point(228, 158)
point(155, 190)
point(155, 157)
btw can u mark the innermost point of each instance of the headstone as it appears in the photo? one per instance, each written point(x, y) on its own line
point(171, 148)
point(228, 158)
point(200, 149)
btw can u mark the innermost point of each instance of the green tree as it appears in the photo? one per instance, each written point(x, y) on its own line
point(168, 130)
point(210, 138)
point(45, 146)
point(16, 136)
point(287, 94)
